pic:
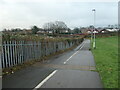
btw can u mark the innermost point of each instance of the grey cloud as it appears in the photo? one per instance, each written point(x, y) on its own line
point(72, 13)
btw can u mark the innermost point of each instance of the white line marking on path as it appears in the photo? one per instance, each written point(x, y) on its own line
point(70, 57)
point(73, 55)
point(48, 77)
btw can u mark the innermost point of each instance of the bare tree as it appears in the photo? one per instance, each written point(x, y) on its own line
point(60, 26)
point(49, 26)
point(56, 27)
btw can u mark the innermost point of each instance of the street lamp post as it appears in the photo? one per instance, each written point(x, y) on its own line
point(94, 43)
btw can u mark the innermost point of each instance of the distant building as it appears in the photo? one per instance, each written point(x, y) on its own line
point(104, 31)
point(64, 31)
point(112, 30)
point(92, 31)
point(27, 31)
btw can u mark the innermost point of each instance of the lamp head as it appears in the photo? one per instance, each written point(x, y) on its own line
point(93, 10)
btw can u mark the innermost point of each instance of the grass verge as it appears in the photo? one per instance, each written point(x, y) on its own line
point(106, 58)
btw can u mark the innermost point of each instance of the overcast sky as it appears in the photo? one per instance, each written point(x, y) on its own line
point(75, 13)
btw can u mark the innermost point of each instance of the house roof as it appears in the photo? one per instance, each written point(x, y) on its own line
point(93, 30)
point(112, 30)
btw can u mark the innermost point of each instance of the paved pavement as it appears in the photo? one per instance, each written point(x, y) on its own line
point(68, 70)
point(73, 79)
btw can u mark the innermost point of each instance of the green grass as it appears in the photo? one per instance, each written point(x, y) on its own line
point(106, 58)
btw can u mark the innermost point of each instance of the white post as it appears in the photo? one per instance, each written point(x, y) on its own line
point(94, 46)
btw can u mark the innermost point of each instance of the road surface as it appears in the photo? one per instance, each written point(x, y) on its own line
point(73, 69)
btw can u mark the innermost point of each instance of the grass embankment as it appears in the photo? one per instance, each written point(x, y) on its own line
point(106, 58)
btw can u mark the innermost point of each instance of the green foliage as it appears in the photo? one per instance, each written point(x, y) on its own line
point(34, 29)
point(77, 30)
point(8, 37)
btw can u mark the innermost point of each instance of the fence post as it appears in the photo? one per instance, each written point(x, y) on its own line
point(40, 49)
point(3, 56)
point(6, 54)
point(18, 52)
point(11, 54)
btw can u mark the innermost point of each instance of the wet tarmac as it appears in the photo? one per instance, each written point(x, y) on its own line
point(68, 70)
